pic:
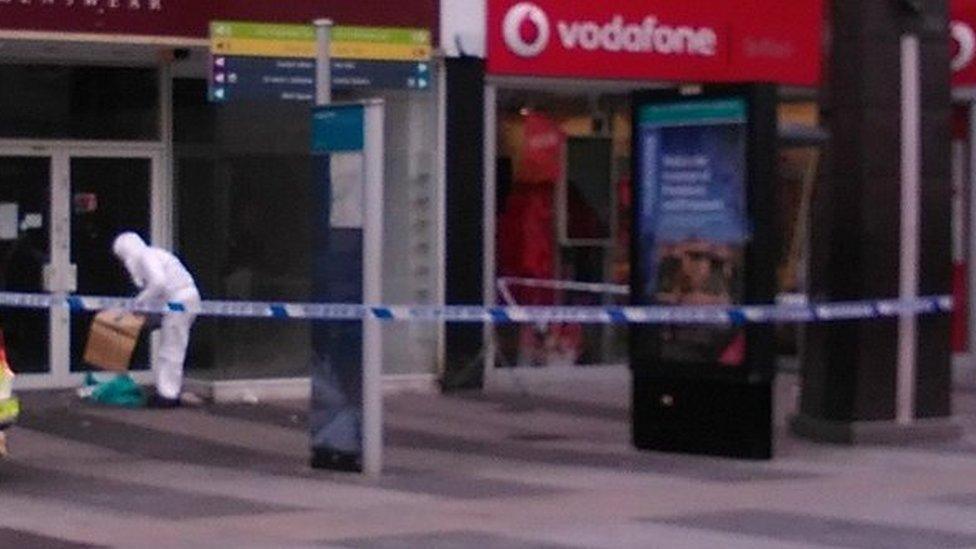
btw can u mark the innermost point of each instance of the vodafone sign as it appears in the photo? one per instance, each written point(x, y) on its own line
point(962, 34)
point(526, 30)
point(692, 40)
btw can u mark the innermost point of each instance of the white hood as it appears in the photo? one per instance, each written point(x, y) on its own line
point(128, 246)
point(158, 273)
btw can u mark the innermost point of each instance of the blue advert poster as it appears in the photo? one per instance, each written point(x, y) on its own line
point(693, 219)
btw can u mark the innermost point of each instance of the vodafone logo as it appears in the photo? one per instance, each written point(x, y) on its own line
point(526, 29)
point(657, 40)
point(964, 39)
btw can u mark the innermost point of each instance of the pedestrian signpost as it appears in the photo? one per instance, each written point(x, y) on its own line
point(347, 149)
point(346, 416)
point(260, 61)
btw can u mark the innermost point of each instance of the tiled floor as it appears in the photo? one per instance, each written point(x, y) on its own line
point(469, 470)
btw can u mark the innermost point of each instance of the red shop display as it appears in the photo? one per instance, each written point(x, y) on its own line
point(540, 161)
point(526, 247)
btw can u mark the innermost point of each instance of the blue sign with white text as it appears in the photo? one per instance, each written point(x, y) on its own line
point(695, 166)
point(338, 129)
point(293, 79)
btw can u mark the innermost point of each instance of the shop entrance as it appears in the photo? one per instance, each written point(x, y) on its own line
point(558, 158)
point(61, 204)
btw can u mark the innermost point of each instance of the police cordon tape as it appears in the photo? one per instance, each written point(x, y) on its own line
point(718, 315)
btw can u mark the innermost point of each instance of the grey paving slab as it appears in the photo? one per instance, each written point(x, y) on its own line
point(464, 471)
point(834, 532)
point(538, 437)
point(515, 449)
point(527, 403)
point(446, 540)
point(125, 497)
point(465, 487)
point(958, 500)
point(146, 443)
point(22, 539)
point(959, 447)
point(646, 535)
point(633, 461)
point(276, 414)
point(158, 444)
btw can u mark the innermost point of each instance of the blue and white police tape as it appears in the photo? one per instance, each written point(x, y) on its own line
point(718, 315)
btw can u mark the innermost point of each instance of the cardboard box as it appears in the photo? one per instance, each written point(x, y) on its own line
point(112, 339)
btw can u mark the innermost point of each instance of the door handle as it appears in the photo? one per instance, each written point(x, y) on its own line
point(48, 274)
point(71, 279)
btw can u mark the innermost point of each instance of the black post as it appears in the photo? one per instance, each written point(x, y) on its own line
point(465, 218)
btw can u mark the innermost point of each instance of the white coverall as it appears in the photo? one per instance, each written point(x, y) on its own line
point(162, 277)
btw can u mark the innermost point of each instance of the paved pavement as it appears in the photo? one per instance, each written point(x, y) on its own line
point(468, 470)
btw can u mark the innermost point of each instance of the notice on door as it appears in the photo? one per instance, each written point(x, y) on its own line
point(338, 131)
point(32, 221)
point(9, 212)
point(346, 173)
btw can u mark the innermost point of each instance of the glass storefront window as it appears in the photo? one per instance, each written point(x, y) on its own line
point(563, 161)
point(547, 214)
point(242, 183)
point(244, 225)
point(411, 227)
point(76, 102)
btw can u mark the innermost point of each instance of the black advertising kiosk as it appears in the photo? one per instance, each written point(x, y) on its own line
point(704, 234)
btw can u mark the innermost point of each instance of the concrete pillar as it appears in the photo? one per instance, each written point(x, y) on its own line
point(850, 368)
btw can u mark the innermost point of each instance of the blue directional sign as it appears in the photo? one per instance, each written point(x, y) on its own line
point(338, 128)
point(293, 79)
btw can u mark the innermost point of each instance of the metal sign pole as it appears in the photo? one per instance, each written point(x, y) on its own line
point(373, 286)
point(371, 354)
point(910, 207)
point(323, 61)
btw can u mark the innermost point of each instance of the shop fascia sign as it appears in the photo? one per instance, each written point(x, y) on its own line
point(964, 40)
point(169, 18)
point(100, 6)
point(656, 39)
point(190, 19)
point(962, 35)
point(94, 5)
point(527, 32)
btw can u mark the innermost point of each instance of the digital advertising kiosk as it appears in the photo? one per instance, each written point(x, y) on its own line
point(704, 235)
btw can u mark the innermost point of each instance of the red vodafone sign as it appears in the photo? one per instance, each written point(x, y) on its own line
point(962, 32)
point(691, 40)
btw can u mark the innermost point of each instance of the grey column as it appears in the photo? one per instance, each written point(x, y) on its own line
point(849, 368)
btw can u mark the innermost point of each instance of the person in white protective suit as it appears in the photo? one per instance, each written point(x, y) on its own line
point(162, 277)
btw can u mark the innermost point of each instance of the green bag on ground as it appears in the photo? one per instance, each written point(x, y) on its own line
point(121, 391)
